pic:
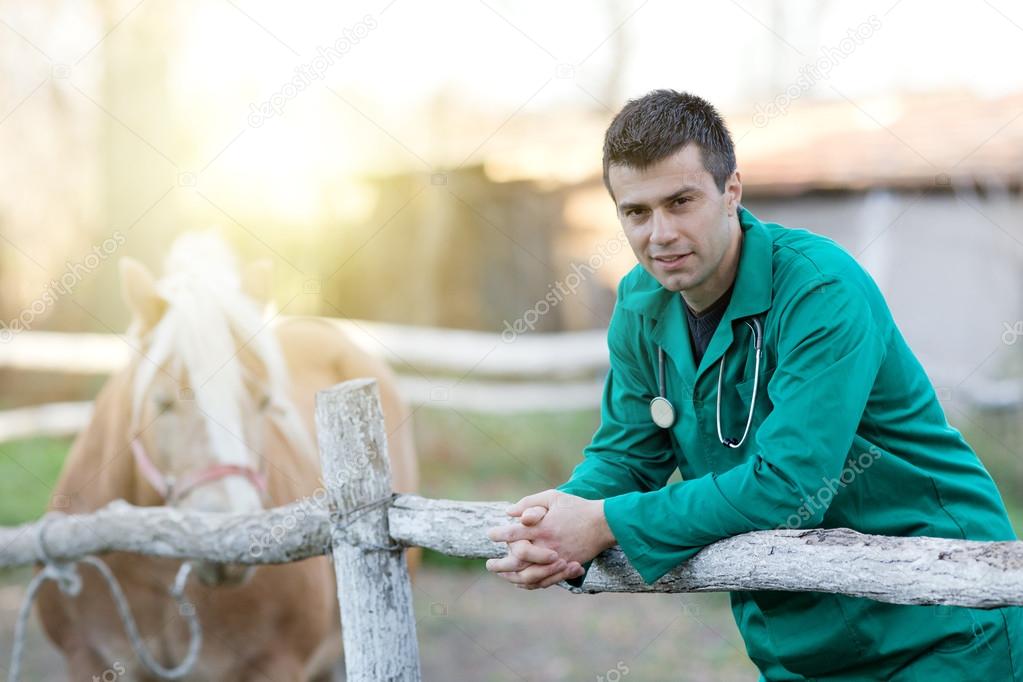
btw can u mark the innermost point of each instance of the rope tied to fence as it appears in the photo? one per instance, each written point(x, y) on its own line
point(66, 575)
point(344, 519)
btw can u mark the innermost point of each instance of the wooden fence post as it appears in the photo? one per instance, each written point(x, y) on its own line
point(373, 587)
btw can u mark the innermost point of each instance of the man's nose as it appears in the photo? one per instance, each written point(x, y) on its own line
point(662, 230)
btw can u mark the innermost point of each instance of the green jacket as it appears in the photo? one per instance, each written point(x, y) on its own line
point(847, 432)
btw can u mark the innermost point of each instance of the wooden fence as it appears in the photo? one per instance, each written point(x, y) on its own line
point(538, 372)
point(366, 527)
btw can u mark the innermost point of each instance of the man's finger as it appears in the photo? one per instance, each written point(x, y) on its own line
point(573, 570)
point(533, 575)
point(533, 516)
point(541, 499)
point(510, 533)
point(531, 552)
point(506, 564)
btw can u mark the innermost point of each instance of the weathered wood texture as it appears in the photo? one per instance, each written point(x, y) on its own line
point(890, 569)
point(279, 535)
point(378, 622)
point(897, 570)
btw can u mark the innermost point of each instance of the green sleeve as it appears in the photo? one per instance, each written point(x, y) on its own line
point(628, 452)
point(829, 353)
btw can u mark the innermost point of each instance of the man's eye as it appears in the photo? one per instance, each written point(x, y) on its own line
point(681, 200)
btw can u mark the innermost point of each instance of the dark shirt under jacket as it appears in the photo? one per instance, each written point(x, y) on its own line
point(702, 326)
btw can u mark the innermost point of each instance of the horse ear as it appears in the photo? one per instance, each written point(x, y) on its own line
point(139, 292)
point(257, 280)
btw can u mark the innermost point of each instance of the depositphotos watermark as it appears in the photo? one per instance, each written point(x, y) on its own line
point(74, 273)
point(614, 674)
point(309, 506)
point(314, 70)
point(111, 674)
point(816, 71)
point(854, 466)
point(562, 289)
point(1012, 332)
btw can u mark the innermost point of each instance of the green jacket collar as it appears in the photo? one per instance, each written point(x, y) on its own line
point(751, 296)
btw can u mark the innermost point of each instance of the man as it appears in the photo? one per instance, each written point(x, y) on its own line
point(845, 428)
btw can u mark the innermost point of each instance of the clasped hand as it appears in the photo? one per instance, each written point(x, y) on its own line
point(556, 533)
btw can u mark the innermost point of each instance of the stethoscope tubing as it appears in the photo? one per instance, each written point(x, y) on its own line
point(758, 339)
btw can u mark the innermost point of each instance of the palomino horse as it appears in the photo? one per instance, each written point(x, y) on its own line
point(216, 414)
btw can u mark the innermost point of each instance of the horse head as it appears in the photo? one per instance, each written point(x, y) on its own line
point(208, 381)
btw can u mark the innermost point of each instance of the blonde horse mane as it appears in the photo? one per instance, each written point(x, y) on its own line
point(208, 319)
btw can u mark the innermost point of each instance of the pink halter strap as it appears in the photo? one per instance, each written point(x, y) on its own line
point(172, 490)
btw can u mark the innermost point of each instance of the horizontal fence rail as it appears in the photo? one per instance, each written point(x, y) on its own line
point(526, 374)
point(898, 570)
point(423, 350)
point(53, 420)
point(58, 420)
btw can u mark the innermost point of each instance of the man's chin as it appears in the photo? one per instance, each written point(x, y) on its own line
point(676, 283)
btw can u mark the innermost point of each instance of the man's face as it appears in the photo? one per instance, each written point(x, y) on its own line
point(678, 224)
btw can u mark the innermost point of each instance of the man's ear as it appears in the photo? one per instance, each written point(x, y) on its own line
point(257, 280)
point(733, 188)
point(139, 292)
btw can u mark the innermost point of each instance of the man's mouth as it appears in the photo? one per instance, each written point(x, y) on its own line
point(671, 259)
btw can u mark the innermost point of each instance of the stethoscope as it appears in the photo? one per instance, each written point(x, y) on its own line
point(662, 412)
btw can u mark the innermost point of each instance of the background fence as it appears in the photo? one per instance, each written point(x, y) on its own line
point(560, 371)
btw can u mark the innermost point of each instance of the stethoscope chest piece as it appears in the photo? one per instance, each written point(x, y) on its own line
point(662, 412)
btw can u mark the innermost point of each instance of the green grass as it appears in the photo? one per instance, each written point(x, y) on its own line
point(470, 456)
point(28, 473)
point(1016, 516)
point(996, 440)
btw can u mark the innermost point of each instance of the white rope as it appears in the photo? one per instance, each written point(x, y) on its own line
point(342, 521)
point(70, 583)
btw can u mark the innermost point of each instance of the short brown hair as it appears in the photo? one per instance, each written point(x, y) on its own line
point(658, 124)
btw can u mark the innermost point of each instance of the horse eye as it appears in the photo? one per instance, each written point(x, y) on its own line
point(164, 404)
point(264, 403)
